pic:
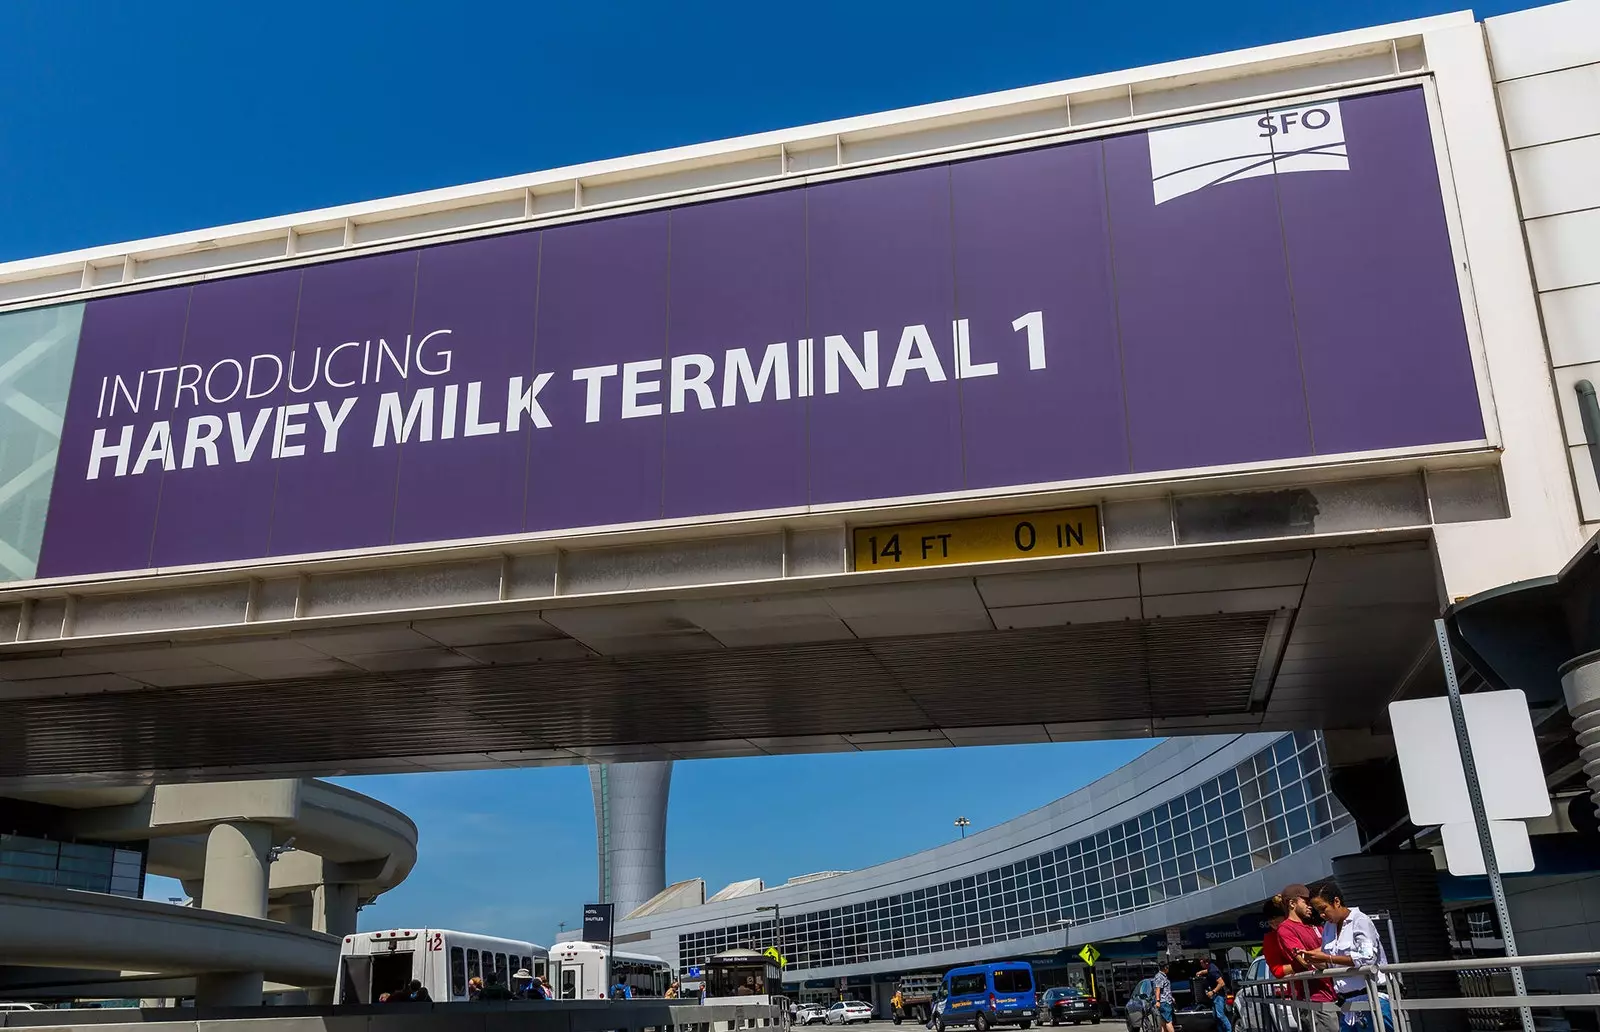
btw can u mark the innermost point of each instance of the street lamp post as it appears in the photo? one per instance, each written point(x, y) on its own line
point(777, 925)
point(963, 824)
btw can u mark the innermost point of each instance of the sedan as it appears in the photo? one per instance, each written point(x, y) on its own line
point(810, 1014)
point(848, 1012)
point(1066, 1003)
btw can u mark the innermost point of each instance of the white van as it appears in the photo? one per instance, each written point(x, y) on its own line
point(374, 963)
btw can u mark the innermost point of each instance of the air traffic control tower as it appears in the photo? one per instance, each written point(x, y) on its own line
point(1169, 401)
point(630, 822)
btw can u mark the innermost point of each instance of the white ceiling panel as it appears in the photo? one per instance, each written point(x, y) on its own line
point(620, 621)
point(486, 630)
point(84, 684)
point(1245, 600)
point(179, 677)
point(891, 625)
point(252, 650)
point(717, 614)
point(47, 666)
point(653, 644)
point(299, 666)
point(1231, 573)
point(1031, 589)
point(998, 735)
point(353, 641)
point(803, 744)
point(436, 658)
point(907, 598)
point(525, 651)
point(783, 634)
point(1057, 614)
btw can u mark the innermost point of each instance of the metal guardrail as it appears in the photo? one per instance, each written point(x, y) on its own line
point(523, 1015)
point(1283, 1004)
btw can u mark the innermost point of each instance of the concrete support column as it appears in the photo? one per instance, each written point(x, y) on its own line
point(229, 989)
point(1580, 682)
point(235, 883)
point(333, 909)
point(236, 869)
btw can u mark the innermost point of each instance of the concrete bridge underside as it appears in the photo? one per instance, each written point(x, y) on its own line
point(1228, 638)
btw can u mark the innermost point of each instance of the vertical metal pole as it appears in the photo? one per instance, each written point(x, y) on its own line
point(1480, 816)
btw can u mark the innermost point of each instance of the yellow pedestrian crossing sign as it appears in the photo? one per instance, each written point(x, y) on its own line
point(772, 951)
point(1255, 951)
point(1089, 954)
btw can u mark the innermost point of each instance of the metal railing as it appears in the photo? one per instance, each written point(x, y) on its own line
point(527, 1016)
point(1387, 1001)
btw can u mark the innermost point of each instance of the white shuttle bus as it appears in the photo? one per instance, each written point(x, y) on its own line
point(578, 972)
point(374, 963)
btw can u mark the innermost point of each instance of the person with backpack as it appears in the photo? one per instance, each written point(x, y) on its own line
point(621, 991)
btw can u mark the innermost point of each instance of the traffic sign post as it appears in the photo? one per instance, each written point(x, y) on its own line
point(1480, 815)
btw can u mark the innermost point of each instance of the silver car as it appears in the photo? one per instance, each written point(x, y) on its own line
point(848, 1012)
point(810, 1014)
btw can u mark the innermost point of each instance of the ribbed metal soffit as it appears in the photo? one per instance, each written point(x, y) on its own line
point(1118, 671)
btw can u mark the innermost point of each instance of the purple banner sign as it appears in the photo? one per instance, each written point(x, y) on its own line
point(1265, 287)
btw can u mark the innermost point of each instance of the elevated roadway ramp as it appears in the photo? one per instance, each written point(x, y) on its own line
point(48, 927)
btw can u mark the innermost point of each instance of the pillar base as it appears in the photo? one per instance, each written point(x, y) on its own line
point(229, 989)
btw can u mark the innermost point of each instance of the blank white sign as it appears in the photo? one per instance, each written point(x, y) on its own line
point(1463, 852)
point(1503, 747)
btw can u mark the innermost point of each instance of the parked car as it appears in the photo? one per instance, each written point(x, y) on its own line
point(810, 1014)
point(1068, 1003)
point(1187, 1014)
point(848, 1012)
point(984, 995)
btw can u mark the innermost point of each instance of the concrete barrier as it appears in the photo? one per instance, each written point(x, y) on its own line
point(518, 1015)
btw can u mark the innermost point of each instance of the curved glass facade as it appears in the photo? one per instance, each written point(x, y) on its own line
point(1274, 803)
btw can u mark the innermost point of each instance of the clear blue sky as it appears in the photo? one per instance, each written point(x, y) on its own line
point(121, 120)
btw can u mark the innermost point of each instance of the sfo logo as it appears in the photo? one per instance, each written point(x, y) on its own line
point(1188, 158)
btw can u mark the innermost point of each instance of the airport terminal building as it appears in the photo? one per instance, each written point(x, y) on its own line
point(1192, 835)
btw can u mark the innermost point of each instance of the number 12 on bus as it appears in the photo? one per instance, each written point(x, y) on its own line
point(979, 539)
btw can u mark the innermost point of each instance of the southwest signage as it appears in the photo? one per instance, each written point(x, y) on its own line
point(1265, 288)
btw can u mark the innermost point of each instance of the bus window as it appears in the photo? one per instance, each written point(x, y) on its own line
point(501, 969)
point(472, 965)
point(527, 964)
point(458, 971)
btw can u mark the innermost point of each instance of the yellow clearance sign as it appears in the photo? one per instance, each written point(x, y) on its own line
point(980, 539)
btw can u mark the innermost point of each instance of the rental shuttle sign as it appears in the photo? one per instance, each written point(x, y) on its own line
point(1267, 287)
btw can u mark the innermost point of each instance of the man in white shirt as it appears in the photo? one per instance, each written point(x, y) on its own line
point(1349, 940)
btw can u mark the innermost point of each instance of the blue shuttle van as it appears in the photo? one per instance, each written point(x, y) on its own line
point(984, 995)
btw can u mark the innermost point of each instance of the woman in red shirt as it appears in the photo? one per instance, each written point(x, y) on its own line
point(1279, 960)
